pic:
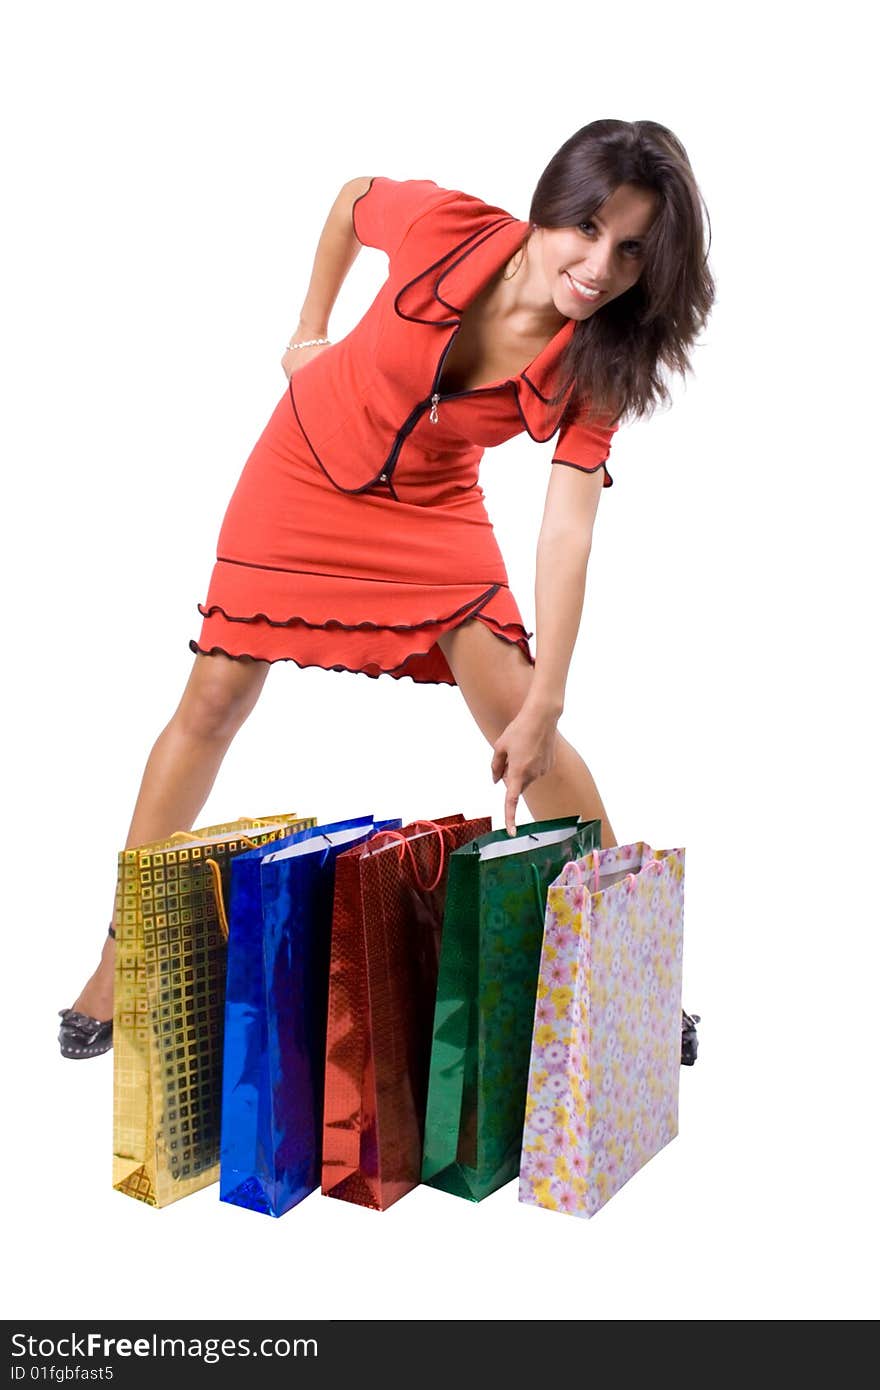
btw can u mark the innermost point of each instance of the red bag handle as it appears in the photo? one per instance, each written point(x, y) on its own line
point(405, 846)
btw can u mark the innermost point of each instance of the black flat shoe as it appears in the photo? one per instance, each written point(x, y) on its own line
point(81, 1036)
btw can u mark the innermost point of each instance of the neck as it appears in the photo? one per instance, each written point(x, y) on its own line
point(524, 296)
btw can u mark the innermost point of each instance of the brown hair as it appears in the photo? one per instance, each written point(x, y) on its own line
point(615, 358)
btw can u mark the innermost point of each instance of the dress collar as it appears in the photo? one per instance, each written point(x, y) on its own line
point(439, 295)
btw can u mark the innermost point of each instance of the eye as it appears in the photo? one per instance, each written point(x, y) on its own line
point(631, 249)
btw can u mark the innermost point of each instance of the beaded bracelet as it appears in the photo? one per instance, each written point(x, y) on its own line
point(311, 342)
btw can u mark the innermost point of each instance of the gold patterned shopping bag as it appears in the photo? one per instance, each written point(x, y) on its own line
point(168, 1005)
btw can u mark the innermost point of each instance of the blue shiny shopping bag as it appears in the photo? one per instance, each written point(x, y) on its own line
point(280, 912)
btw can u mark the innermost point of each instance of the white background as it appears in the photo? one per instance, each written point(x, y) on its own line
point(167, 170)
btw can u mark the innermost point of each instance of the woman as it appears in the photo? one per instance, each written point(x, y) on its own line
point(357, 539)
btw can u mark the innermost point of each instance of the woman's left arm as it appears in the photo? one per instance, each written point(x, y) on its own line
point(525, 750)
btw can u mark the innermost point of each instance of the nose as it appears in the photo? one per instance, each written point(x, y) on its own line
point(599, 267)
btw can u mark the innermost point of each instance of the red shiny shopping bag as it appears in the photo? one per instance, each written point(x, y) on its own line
point(389, 900)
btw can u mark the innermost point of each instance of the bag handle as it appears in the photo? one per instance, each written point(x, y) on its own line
point(405, 847)
point(539, 897)
point(218, 886)
point(579, 868)
point(576, 865)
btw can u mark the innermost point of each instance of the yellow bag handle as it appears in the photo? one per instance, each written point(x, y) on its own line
point(218, 885)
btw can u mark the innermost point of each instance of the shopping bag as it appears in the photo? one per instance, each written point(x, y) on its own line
point(280, 908)
point(168, 1005)
point(604, 1068)
point(492, 933)
point(387, 919)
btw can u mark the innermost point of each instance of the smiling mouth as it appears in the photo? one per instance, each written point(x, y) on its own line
point(584, 292)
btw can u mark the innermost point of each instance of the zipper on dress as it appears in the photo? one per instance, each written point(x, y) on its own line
point(451, 395)
point(402, 433)
point(475, 391)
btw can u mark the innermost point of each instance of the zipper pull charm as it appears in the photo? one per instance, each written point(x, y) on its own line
point(434, 402)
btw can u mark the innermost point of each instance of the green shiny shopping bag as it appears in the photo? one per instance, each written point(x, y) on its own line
point(493, 929)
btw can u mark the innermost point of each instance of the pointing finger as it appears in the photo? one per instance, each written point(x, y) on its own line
point(510, 809)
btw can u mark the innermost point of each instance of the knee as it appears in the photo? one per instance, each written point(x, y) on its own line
point(219, 697)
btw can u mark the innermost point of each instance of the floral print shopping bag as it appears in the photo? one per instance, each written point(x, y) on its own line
point(606, 1050)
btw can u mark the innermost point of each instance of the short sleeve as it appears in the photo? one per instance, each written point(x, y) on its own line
point(585, 444)
point(383, 215)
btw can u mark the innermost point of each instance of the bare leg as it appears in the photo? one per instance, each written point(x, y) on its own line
point(179, 775)
point(566, 790)
point(494, 678)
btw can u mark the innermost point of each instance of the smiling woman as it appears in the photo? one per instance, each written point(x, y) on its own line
point(357, 538)
point(602, 257)
point(621, 209)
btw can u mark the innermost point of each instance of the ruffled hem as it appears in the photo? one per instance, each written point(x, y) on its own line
point(424, 667)
point(328, 624)
point(362, 646)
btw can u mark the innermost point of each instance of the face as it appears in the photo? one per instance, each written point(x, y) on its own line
point(604, 255)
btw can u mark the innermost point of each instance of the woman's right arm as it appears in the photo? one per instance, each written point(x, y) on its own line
point(336, 252)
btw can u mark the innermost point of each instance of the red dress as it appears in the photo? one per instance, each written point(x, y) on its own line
point(357, 532)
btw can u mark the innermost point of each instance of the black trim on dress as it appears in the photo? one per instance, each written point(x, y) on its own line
point(481, 600)
point(583, 469)
point(450, 260)
point(396, 671)
point(354, 205)
point(484, 234)
point(446, 323)
point(327, 574)
point(545, 400)
point(489, 232)
point(383, 477)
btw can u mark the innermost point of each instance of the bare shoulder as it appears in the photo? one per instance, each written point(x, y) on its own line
point(360, 185)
